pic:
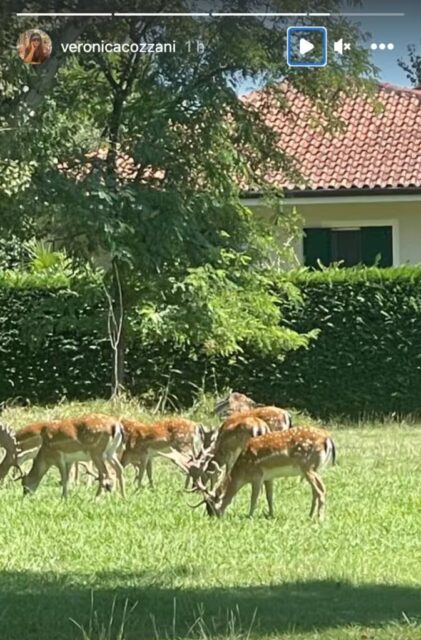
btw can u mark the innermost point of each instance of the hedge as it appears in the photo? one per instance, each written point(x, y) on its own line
point(365, 361)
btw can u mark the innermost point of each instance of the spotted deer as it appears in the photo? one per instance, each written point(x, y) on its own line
point(22, 445)
point(145, 441)
point(234, 403)
point(225, 445)
point(92, 438)
point(299, 451)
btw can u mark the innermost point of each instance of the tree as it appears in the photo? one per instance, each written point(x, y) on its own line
point(139, 162)
point(412, 66)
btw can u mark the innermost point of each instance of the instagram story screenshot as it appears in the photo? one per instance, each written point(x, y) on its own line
point(210, 319)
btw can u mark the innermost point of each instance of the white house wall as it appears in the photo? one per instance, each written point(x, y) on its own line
point(404, 214)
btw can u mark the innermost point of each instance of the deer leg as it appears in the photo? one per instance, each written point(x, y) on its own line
point(116, 465)
point(318, 497)
point(149, 472)
point(322, 496)
point(64, 470)
point(269, 496)
point(102, 473)
point(256, 487)
point(142, 467)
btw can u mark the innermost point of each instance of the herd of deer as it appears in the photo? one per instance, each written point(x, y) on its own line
point(255, 444)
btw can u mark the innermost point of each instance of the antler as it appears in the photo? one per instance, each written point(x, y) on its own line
point(8, 441)
point(21, 474)
point(181, 460)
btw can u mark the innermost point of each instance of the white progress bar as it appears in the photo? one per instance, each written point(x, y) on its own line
point(205, 14)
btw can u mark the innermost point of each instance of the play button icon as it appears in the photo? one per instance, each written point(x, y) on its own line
point(307, 46)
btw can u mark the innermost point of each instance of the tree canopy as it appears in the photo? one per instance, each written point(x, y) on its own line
point(139, 162)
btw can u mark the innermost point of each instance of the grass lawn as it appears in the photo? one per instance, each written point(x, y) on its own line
point(162, 570)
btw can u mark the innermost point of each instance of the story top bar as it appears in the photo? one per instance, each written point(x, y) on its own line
point(55, 14)
point(203, 14)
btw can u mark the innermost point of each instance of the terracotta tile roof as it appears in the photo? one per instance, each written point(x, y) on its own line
point(375, 150)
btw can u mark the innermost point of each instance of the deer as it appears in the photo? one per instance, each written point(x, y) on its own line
point(145, 441)
point(22, 445)
point(278, 454)
point(92, 438)
point(224, 447)
point(234, 403)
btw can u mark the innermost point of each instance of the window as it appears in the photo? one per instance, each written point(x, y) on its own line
point(351, 245)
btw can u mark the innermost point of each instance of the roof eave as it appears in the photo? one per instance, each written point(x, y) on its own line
point(342, 192)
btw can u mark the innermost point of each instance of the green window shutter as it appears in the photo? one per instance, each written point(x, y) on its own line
point(377, 241)
point(317, 246)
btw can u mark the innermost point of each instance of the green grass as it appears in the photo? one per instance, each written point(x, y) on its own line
point(151, 567)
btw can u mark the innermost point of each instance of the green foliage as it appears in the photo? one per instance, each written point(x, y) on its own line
point(367, 358)
point(136, 161)
point(361, 327)
point(412, 66)
point(52, 336)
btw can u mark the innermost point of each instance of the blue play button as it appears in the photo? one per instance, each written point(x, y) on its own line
point(307, 46)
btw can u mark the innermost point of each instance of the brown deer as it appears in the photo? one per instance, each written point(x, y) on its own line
point(144, 441)
point(92, 438)
point(299, 451)
point(234, 403)
point(225, 445)
point(22, 445)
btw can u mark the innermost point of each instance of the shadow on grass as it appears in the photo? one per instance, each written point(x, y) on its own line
point(41, 606)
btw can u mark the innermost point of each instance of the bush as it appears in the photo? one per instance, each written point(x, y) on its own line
point(52, 338)
point(367, 358)
point(365, 361)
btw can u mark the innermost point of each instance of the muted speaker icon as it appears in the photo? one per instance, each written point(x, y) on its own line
point(339, 46)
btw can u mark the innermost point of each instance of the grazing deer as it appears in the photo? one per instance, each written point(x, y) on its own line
point(20, 446)
point(95, 437)
point(299, 451)
point(144, 441)
point(225, 446)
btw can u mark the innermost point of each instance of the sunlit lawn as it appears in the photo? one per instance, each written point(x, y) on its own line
point(179, 574)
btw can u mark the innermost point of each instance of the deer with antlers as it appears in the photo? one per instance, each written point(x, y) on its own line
point(20, 446)
point(145, 441)
point(92, 438)
point(226, 444)
point(299, 451)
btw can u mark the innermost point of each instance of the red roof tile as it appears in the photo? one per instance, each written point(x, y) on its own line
point(375, 150)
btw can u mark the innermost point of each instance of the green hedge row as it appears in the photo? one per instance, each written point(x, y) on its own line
point(367, 358)
point(52, 339)
point(365, 361)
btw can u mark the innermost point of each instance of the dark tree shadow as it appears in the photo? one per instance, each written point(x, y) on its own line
point(40, 607)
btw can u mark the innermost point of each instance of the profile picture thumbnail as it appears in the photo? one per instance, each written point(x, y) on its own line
point(34, 46)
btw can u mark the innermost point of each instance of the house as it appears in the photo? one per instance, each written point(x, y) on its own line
point(361, 194)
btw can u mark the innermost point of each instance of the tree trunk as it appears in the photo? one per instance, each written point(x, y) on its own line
point(116, 332)
point(119, 369)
